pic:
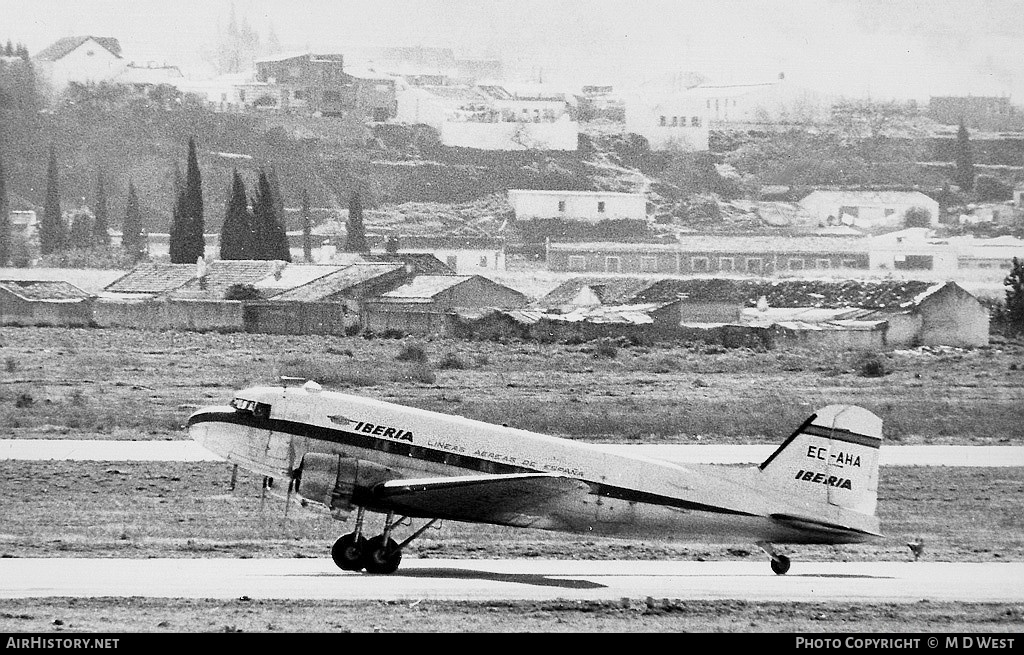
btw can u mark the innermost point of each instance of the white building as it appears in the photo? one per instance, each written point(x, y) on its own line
point(591, 206)
point(679, 120)
point(489, 118)
point(465, 255)
point(868, 210)
point(82, 59)
point(777, 101)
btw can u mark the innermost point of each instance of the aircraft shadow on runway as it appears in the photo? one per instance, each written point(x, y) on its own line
point(534, 579)
point(539, 580)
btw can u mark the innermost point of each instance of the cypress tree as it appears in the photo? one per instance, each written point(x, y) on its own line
point(307, 229)
point(131, 234)
point(5, 219)
point(271, 239)
point(187, 244)
point(355, 236)
point(964, 159)
point(101, 224)
point(80, 236)
point(236, 237)
point(52, 231)
point(1014, 283)
point(275, 190)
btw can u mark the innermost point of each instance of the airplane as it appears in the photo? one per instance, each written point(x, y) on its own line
point(358, 454)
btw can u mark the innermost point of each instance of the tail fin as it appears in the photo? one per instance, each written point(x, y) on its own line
point(833, 458)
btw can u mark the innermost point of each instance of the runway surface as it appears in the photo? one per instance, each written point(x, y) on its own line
point(190, 451)
point(445, 579)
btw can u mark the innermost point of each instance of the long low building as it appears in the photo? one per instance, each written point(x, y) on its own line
point(702, 255)
point(912, 252)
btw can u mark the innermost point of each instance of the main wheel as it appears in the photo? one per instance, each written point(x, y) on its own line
point(348, 551)
point(780, 564)
point(381, 557)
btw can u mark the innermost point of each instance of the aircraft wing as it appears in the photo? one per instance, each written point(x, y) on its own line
point(498, 498)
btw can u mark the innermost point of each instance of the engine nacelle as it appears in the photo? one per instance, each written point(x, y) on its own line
point(336, 481)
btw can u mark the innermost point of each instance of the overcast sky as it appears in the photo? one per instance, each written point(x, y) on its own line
point(878, 48)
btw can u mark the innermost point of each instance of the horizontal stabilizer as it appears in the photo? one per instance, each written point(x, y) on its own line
point(806, 524)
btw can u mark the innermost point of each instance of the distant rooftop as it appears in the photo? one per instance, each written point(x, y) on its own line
point(44, 290)
point(62, 47)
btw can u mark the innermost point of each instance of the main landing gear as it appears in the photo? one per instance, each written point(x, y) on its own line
point(380, 554)
point(780, 563)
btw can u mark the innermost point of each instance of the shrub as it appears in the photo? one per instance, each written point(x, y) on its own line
point(412, 352)
point(242, 292)
point(606, 347)
point(870, 364)
point(451, 361)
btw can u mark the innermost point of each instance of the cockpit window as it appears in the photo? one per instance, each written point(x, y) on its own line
point(259, 410)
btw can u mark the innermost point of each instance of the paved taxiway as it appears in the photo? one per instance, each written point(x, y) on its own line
point(445, 579)
point(190, 451)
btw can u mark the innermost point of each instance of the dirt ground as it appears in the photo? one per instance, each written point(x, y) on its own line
point(112, 384)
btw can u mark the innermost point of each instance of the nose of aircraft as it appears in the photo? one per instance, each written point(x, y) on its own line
point(202, 428)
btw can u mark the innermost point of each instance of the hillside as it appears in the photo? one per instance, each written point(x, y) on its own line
point(409, 179)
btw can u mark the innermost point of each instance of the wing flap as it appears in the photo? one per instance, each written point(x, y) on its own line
point(491, 498)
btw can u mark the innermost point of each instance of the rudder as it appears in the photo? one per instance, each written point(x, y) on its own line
point(832, 457)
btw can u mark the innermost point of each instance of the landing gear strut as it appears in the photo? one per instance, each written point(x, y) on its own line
point(780, 563)
point(380, 554)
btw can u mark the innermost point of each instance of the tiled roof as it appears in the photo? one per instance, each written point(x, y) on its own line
point(885, 294)
point(153, 278)
point(223, 274)
point(292, 276)
point(421, 263)
point(610, 291)
point(424, 287)
point(63, 46)
point(344, 278)
point(44, 290)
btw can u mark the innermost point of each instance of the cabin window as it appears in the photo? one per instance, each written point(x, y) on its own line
point(795, 264)
point(695, 121)
point(754, 265)
point(612, 265)
point(726, 264)
point(699, 264)
point(648, 264)
point(577, 263)
point(561, 205)
point(661, 121)
point(600, 207)
point(483, 261)
point(823, 263)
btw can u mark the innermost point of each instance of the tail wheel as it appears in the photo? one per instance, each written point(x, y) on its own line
point(780, 564)
point(380, 556)
point(348, 552)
